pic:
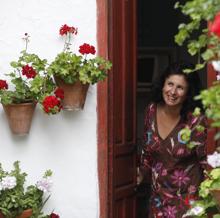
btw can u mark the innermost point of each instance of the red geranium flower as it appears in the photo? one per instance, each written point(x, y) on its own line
point(3, 84)
point(51, 104)
point(59, 93)
point(189, 200)
point(87, 49)
point(67, 29)
point(28, 71)
point(214, 27)
point(53, 215)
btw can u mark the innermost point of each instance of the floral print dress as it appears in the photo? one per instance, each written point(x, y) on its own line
point(176, 170)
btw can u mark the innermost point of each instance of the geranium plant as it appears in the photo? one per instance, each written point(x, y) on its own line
point(201, 39)
point(29, 81)
point(71, 67)
point(207, 202)
point(201, 33)
point(16, 196)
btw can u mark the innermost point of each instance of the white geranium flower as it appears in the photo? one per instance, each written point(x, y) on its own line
point(214, 160)
point(8, 182)
point(0, 187)
point(216, 65)
point(45, 184)
point(218, 77)
point(197, 210)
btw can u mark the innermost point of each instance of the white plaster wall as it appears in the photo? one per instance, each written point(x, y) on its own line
point(65, 143)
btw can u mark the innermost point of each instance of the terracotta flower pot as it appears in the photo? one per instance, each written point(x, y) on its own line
point(216, 195)
point(19, 117)
point(1, 215)
point(26, 214)
point(74, 94)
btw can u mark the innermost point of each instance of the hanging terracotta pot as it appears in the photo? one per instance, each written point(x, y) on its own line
point(19, 117)
point(216, 195)
point(26, 214)
point(1, 215)
point(74, 94)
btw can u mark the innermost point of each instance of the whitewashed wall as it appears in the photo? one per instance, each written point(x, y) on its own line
point(65, 143)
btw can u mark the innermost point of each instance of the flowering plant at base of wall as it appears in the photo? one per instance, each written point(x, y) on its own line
point(30, 80)
point(16, 197)
point(72, 68)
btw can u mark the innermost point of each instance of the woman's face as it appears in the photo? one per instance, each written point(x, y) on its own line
point(175, 90)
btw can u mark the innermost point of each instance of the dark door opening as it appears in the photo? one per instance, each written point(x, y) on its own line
point(157, 23)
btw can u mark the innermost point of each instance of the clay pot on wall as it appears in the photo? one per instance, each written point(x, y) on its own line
point(1, 215)
point(74, 94)
point(20, 117)
point(25, 214)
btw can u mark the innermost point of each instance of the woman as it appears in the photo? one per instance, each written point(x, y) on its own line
point(176, 170)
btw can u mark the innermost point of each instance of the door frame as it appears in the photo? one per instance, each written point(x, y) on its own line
point(105, 126)
point(102, 109)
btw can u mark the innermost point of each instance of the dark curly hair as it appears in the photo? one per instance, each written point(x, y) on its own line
point(192, 79)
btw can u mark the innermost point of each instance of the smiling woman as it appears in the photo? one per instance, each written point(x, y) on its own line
point(176, 170)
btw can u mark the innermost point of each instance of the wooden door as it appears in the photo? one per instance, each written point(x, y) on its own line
point(122, 109)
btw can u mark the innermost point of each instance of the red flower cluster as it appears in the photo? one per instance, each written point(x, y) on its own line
point(59, 93)
point(214, 27)
point(67, 29)
point(87, 49)
point(53, 215)
point(51, 104)
point(28, 71)
point(3, 84)
point(189, 200)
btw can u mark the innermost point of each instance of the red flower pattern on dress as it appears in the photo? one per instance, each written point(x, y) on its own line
point(87, 49)
point(3, 84)
point(59, 93)
point(67, 29)
point(53, 215)
point(28, 71)
point(51, 104)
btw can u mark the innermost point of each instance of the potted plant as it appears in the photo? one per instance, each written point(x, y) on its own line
point(29, 84)
point(74, 73)
point(17, 200)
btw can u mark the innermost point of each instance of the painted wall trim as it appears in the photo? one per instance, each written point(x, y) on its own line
point(102, 110)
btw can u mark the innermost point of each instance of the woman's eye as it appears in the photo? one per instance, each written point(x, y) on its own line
point(180, 88)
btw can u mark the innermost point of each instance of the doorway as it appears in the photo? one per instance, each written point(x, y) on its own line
point(117, 109)
point(157, 23)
